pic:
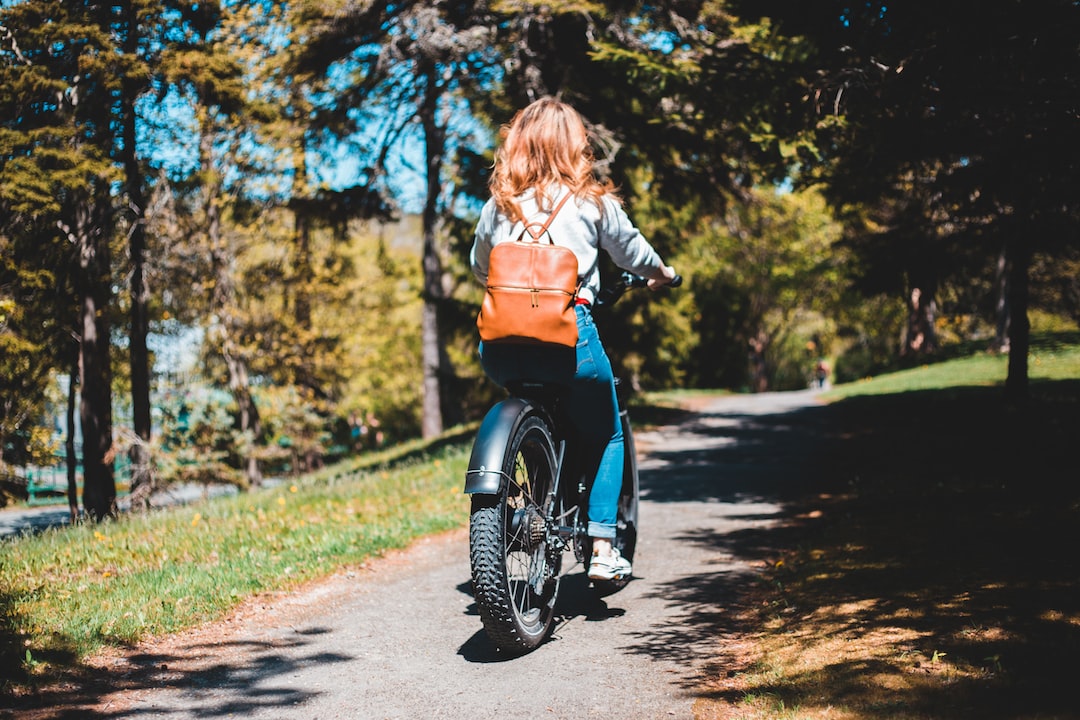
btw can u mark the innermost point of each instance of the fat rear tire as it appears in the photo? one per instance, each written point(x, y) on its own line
point(515, 570)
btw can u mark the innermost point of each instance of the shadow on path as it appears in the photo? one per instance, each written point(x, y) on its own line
point(750, 458)
point(261, 669)
point(922, 562)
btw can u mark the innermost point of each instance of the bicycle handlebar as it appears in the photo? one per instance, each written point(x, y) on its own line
point(638, 282)
point(609, 293)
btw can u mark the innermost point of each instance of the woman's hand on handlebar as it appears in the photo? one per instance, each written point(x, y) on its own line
point(670, 277)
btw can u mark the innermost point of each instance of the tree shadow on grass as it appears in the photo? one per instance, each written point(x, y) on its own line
point(925, 564)
point(16, 657)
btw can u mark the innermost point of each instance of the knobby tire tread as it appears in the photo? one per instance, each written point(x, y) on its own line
point(488, 573)
point(488, 555)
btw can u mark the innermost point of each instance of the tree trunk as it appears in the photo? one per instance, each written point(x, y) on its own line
point(250, 423)
point(435, 143)
point(1016, 384)
point(223, 301)
point(759, 372)
point(1001, 307)
point(95, 381)
point(431, 423)
point(70, 461)
point(303, 276)
point(142, 478)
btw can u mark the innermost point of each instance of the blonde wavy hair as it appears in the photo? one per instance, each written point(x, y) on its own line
point(544, 147)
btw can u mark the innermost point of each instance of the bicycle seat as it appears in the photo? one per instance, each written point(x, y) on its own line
point(536, 389)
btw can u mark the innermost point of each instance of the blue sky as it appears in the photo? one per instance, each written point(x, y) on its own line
point(168, 133)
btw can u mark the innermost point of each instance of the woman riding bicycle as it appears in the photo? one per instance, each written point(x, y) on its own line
point(544, 155)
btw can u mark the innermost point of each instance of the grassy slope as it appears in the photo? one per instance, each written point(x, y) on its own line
point(68, 592)
point(934, 574)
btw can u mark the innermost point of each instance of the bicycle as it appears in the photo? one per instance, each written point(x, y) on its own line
point(529, 506)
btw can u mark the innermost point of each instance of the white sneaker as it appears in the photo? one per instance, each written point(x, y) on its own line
point(609, 567)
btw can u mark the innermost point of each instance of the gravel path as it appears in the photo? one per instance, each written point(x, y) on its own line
point(400, 637)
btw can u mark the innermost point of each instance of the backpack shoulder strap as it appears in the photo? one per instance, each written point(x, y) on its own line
point(537, 234)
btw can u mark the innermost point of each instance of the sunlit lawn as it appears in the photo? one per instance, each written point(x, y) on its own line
point(1051, 358)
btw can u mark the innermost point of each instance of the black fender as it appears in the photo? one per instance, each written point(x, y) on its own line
point(485, 475)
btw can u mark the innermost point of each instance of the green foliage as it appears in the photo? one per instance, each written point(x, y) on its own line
point(1055, 283)
point(23, 381)
point(44, 163)
point(382, 341)
point(196, 442)
point(296, 435)
point(767, 279)
point(700, 97)
point(869, 342)
point(356, 356)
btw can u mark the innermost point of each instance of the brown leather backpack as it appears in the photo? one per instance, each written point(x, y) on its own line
point(532, 288)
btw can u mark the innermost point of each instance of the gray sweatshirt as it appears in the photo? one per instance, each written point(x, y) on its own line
point(580, 226)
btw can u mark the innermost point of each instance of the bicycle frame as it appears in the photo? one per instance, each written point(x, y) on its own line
point(484, 475)
point(529, 493)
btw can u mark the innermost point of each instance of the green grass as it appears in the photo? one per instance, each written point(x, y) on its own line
point(68, 592)
point(1054, 357)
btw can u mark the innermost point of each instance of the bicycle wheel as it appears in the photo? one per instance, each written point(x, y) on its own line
point(515, 567)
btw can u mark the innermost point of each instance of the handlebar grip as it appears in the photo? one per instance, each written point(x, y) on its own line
point(630, 280)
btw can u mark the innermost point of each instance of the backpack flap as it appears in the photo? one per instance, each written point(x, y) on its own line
point(531, 290)
point(531, 293)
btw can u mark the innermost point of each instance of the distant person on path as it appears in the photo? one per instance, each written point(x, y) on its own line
point(821, 374)
point(544, 156)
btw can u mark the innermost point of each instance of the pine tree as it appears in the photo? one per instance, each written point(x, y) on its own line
point(63, 69)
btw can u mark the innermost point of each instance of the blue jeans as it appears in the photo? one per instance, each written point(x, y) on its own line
point(591, 406)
